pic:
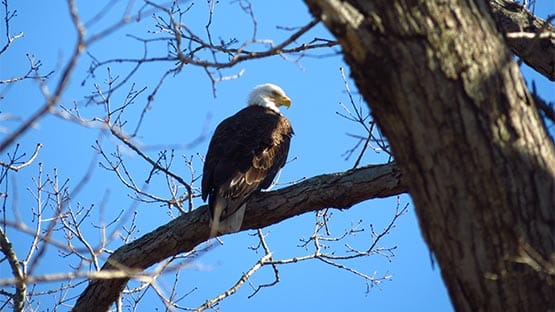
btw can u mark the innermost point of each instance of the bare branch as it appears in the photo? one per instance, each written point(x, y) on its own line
point(270, 262)
point(210, 303)
point(32, 72)
point(358, 114)
point(100, 275)
point(548, 109)
point(29, 161)
point(321, 242)
point(17, 271)
point(186, 47)
point(62, 84)
point(155, 165)
point(8, 15)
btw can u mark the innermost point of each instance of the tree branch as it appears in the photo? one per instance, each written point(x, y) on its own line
point(53, 100)
point(17, 167)
point(529, 37)
point(337, 190)
point(17, 270)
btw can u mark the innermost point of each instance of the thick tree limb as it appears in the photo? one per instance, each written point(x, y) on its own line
point(529, 37)
point(338, 190)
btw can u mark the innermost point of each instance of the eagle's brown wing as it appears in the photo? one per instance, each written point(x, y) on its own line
point(245, 154)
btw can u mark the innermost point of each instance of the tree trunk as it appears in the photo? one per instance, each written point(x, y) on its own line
point(464, 130)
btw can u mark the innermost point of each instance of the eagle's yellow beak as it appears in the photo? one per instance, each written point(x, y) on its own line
point(284, 101)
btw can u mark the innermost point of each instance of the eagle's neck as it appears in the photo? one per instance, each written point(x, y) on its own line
point(264, 102)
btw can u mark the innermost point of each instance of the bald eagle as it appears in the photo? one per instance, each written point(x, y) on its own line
point(244, 155)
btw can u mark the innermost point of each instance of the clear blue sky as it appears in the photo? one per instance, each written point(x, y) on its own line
point(183, 109)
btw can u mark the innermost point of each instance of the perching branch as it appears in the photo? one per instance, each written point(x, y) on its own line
point(337, 190)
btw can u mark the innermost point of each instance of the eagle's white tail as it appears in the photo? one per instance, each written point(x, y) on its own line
point(228, 224)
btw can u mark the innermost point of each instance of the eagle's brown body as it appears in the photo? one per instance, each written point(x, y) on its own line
point(246, 152)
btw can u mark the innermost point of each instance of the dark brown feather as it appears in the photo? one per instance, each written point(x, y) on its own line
point(246, 152)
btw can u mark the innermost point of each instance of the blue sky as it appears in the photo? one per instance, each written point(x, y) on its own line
point(185, 108)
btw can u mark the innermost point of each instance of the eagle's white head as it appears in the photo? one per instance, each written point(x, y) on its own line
point(270, 96)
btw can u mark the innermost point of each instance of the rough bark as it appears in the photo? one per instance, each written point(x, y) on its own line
point(478, 162)
point(338, 190)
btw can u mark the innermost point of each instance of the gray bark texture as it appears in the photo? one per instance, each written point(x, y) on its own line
point(467, 137)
